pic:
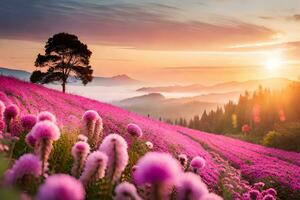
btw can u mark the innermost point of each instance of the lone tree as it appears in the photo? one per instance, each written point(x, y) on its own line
point(65, 56)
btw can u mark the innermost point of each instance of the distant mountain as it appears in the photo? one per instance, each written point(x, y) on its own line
point(272, 83)
point(97, 81)
point(156, 105)
point(19, 74)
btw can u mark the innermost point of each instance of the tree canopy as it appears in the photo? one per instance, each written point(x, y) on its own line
point(65, 56)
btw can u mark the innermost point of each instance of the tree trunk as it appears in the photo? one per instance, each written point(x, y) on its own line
point(63, 87)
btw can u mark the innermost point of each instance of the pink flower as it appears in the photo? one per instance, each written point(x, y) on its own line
point(45, 115)
point(269, 197)
point(115, 147)
point(28, 121)
point(79, 152)
point(45, 130)
point(11, 112)
point(45, 133)
point(30, 140)
point(259, 185)
point(191, 187)
point(90, 115)
point(271, 191)
point(2, 126)
point(27, 164)
point(134, 130)
point(95, 166)
point(125, 191)
point(155, 168)
point(198, 163)
point(2, 109)
point(61, 187)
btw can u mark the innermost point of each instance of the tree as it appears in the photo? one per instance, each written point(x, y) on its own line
point(64, 56)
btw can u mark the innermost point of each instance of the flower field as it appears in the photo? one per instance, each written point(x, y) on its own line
point(71, 145)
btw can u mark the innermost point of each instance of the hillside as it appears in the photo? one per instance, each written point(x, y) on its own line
point(224, 156)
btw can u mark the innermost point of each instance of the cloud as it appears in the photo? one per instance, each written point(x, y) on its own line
point(150, 26)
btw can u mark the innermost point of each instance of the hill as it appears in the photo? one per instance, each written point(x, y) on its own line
point(272, 83)
point(224, 156)
point(97, 80)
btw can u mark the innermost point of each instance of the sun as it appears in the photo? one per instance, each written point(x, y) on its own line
point(273, 63)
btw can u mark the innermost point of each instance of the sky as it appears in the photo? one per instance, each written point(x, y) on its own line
point(168, 42)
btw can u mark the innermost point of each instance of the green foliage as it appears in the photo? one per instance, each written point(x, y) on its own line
point(286, 137)
point(21, 147)
point(61, 160)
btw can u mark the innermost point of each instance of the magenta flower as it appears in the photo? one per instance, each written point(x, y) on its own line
point(80, 150)
point(149, 145)
point(45, 115)
point(197, 163)
point(16, 128)
point(269, 197)
point(2, 126)
point(95, 166)
point(11, 112)
point(92, 127)
point(28, 121)
point(61, 187)
point(90, 115)
point(134, 130)
point(271, 191)
point(45, 133)
point(191, 187)
point(125, 191)
point(115, 147)
point(259, 185)
point(45, 130)
point(254, 194)
point(30, 140)
point(27, 164)
point(2, 109)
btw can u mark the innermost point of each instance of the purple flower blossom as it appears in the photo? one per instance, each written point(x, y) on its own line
point(45, 115)
point(197, 163)
point(126, 191)
point(27, 164)
point(28, 121)
point(115, 148)
point(191, 187)
point(80, 150)
point(92, 127)
point(134, 130)
point(61, 187)
point(95, 167)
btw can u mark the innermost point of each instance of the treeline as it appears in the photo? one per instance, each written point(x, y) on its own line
point(255, 113)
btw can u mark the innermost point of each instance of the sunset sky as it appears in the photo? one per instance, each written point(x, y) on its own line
point(190, 41)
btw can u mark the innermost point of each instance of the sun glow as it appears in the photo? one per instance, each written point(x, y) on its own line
point(274, 61)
